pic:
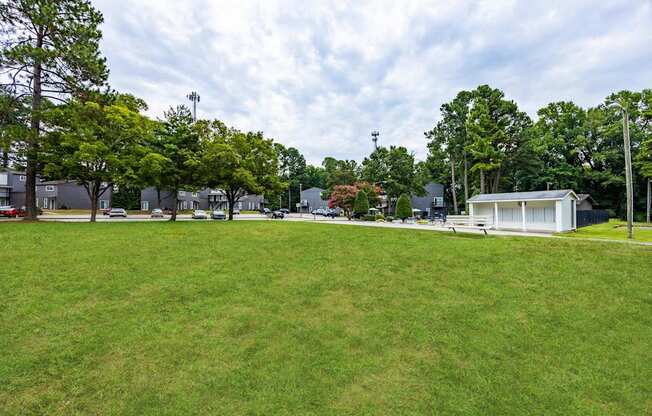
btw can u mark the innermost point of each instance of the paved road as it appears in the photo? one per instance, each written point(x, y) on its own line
point(320, 220)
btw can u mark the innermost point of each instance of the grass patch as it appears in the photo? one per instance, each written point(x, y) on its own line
point(263, 318)
point(613, 230)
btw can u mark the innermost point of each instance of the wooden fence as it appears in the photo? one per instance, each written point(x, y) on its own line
point(594, 216)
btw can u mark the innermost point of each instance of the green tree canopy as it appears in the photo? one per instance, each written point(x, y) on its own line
point(403, 207)
point(361, 204)
point(97, 142)
point(176, 149)
point(239, 163)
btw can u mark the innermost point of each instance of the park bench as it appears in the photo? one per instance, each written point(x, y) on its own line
point(454, 222)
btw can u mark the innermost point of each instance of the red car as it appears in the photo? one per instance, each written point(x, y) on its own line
point(22, 212)
point(10, 212)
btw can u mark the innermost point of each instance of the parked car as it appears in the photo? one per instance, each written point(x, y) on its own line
point(278, 214)
point(319, 211)
point(199, 214)
point(331, 213)
point(218, 215)
point(22, 211)
point(106, 211)
point(284, 210)
point(236, 211)
point(265, 211)
point(8, 211)
point(117, 212)
point(157, 213)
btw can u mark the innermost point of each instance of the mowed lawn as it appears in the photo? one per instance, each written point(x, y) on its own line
point(614, 230)
point(278, 318)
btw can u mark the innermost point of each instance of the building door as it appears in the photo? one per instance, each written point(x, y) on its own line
point(144, 205)
point(104, 204)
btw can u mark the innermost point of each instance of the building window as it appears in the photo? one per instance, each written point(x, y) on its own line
point(49, 188)
point(144, 205)
point(195, 194)
point(104, 204)
point(4, 179)
point(182, 193)
point(22, 178)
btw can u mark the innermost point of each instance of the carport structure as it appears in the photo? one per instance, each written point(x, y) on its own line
point(547, 211)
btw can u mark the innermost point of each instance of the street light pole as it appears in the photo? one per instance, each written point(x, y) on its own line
point(628, 172)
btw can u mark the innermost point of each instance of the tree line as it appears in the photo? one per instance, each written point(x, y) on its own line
point(61, 120)
point(483, 143)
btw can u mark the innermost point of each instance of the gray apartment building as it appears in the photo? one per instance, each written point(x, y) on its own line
point(151, 198)
point(432, 202)
point(311, 199)
point(208, 199)
point(216, 199)
point(12, 188)
point(64, 194)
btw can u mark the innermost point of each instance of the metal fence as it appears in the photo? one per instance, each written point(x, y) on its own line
point(595, 216)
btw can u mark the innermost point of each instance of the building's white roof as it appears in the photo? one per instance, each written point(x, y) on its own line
point(524, 196)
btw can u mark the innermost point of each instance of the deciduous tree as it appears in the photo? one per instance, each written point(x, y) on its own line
point(96, 141)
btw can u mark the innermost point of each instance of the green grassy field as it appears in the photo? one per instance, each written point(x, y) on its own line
point(614, 230)
point(277, 318)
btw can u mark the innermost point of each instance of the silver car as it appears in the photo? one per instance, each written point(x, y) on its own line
point(117, 212)
point(157, 213)
point(218, 215)
point(199, 214)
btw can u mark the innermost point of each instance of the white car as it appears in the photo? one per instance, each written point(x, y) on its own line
point(157, 213)
point(218, 215)
point(117, 212)
point(199, 214)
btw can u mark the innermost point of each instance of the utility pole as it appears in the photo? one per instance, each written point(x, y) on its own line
point(300, 202)
point(628, 172)
point(649, 199)
point(195, 98)
point(374, 138)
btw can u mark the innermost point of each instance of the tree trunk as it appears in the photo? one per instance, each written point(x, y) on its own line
point(453, 185)
point(482, 181)
point(649, 200)
point(466, 184)
point(496, 182)
point(230, 196)
point(94, 195)
point(5, 158)
point(175, 202)
point(158, 197)
point(32, 143)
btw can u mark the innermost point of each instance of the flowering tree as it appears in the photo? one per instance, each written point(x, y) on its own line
point(343, 196)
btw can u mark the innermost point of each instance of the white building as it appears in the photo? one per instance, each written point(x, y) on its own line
point(548, 211)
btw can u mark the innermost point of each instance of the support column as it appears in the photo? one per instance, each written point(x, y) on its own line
point(523, 215)
point(496, 215)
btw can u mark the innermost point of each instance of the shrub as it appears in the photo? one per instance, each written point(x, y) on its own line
point(403, 207)
point(368, 218)
point(612, 213)
point(389, 218)
point(380, 217)
point(361, 204)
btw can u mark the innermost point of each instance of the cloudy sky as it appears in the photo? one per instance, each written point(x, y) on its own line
point(321, 75)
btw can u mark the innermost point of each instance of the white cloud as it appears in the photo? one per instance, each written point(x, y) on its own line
point(321, 75)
